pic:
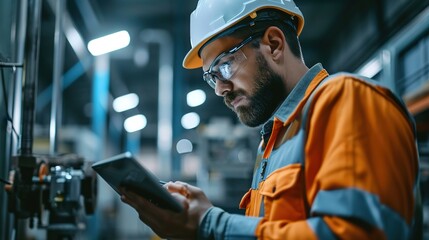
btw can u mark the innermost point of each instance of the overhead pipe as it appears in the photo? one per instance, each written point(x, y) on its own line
point(57, 100)
point(165, 96)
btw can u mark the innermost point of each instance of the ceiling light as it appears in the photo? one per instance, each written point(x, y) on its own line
point(184, 146)
point(125, 102)
point(190, 120)
point(371, 69)
point(196, 98)
point(109, 43)
point(135, 123)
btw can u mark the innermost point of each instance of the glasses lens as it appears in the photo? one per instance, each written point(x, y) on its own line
point(210, 79)
point(228, 65)
point(225, 70)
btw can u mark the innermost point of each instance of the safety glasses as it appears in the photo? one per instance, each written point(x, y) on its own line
point(226, 64)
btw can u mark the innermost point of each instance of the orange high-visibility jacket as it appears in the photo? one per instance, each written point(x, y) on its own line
point(338, 160)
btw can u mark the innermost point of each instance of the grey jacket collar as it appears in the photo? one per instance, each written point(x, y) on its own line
point(292, 100)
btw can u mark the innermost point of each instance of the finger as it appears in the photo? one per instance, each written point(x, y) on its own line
point(132, 201)
point(146, 210)
point(182, 200)
point(189, 190)
point(8, 187)
point(135, 200)
point(178, 187)
point(142, 204)
point(127, 201)
point(174, 186)
point(129, 195)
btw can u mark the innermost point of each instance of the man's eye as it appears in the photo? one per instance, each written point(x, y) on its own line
point(225, 70)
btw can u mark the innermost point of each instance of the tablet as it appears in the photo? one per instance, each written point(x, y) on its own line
point(124, 170)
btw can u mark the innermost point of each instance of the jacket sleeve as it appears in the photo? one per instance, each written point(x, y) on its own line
point(218, 224)
point(361, 166)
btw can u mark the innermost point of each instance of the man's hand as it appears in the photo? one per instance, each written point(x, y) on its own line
point(168, 224)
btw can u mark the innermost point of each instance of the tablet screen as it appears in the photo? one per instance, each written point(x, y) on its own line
point(124, 170)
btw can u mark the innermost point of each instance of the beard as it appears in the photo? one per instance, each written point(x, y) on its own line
point(268, 93)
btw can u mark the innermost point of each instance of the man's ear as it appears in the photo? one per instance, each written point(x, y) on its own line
point(274, 41)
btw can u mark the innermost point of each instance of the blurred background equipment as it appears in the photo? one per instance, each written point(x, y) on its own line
point(48, 191)
point(55, 186)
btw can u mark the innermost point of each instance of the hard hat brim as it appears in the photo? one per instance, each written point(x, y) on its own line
point(192, 60)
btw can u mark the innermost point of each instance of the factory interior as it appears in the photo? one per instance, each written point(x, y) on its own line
point(81, 108)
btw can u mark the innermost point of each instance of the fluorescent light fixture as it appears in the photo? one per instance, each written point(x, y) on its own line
point(184, 146)
point(196, 98)
point(190, 120)
point(135, 123)
point(371, 68)
point(109, 43)
point(125, 102)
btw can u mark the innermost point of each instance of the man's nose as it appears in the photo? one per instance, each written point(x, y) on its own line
point(223, 87)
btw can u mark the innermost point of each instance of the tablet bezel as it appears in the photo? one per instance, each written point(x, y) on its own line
point(124, 170)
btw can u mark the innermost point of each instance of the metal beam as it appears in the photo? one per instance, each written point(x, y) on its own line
point(57, 100)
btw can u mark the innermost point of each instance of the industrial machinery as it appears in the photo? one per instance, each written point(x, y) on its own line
point(50, 191)
point(57, 187)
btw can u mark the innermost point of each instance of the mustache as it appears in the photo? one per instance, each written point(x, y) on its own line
point(230, 96)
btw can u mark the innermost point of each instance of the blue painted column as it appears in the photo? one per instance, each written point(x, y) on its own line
point(100, 97)
point(133, 142)
point(100, 94)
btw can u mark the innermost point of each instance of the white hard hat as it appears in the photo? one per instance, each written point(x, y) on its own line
point(212, 17)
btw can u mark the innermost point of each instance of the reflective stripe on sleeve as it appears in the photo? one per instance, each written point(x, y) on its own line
point(355, 203)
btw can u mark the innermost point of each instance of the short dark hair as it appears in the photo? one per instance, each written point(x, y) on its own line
point(265, 19)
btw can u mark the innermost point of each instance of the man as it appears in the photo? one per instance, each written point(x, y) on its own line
point(337, 159)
